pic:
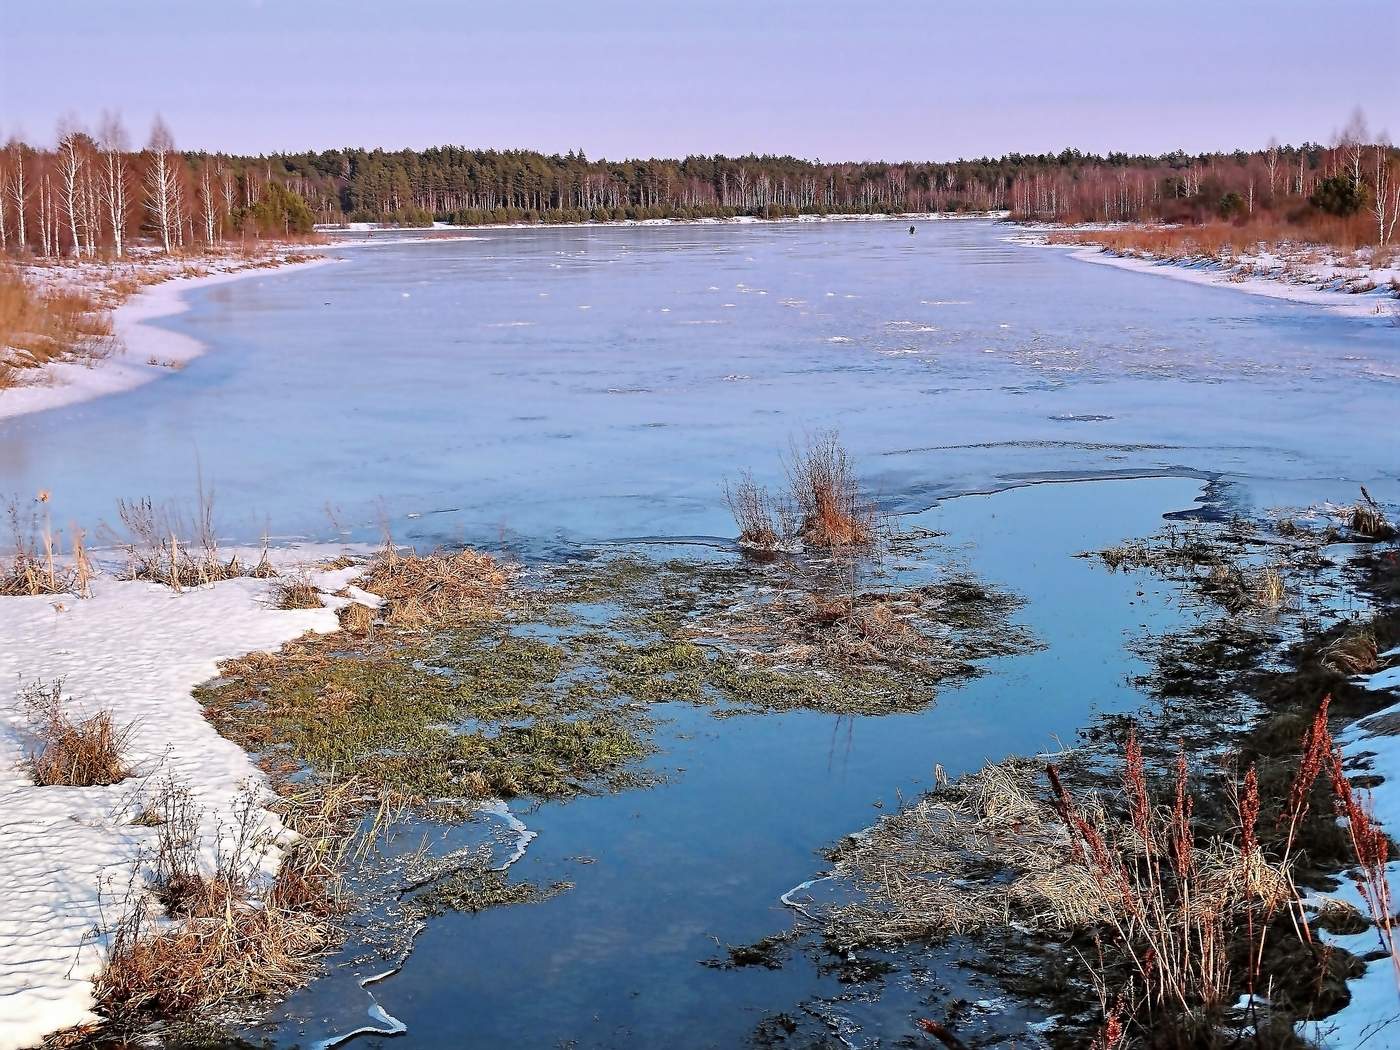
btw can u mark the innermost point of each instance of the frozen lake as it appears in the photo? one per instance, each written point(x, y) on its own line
point(601, 383)
point(559, 388)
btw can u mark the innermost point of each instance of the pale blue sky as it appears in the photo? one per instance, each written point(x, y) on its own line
point(852, 80)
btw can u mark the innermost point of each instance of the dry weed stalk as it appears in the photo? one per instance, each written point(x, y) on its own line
point(86, 752)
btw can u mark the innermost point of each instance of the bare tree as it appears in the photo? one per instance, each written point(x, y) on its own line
point(162, 184)
point(1386, 206)
point(1271, 164)
point(72, 161)
point(1352, 142)
point(112, 189)
point(208, 202)
point(19, 192)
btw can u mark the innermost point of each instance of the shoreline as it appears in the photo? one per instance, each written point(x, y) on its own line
point(1378, 305)
point(345, 235)
point(138, 650)
point(142, 352)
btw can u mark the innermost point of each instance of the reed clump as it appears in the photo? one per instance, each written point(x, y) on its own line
point(36, 564)
point(206, 934)
point(1180, 910)
point(73, 752)
point(297, 593)
point(1366, 518)
point(164, 546)
point(823, 507)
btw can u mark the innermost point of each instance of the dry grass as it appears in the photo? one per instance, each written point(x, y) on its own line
point(164, 546)
point(72, 752)
point(445, 588)
point(1367, 519)
point(1355, 653)
point(1270, 590)
point(832, 511)
point(824, 507)
point(207, 935)
point(35, 565)
point(297, 593)
point(39, 325)
point(356, 618)
point(1223, 240)
point(760, 525)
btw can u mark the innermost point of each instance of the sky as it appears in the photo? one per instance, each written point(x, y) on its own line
point(858, 80)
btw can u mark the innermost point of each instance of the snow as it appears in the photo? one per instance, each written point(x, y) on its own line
point(143, 352)
point(1304, 274)
point(1372, 1017)
point(136, 649)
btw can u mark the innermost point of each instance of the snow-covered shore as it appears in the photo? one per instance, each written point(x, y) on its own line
point(142, 352)
point(138, 650)
point(1325, 282)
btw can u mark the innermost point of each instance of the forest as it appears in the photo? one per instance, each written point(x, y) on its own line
point(92, 192)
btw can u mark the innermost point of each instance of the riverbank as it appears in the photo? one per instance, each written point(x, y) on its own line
point(1360, 284)
point(135, 292)
point(71, 856)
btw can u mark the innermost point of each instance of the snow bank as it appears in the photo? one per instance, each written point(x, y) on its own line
point(137, 649)
point(143, 352)
point(1372, 1018)
point(1262, 273)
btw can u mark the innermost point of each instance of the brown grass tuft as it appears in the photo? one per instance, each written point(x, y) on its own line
point(356, 618)
point(1355, 653)
point(445, 587)
point(233, 937)
point(297, 593)
point(73, 753)
point(833, 513)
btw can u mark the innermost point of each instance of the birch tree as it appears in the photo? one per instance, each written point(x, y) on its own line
point(162, 185)
point(71, 163)
point(112, 186)
point(1386, 206)
point(19, 192)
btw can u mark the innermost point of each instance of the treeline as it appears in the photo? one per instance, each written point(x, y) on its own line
point(1348, 191)
point(93, 193)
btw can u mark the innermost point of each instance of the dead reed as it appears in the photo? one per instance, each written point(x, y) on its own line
point(297, 593)
point(207, 933)
point(36, 564)
point(444, 588)
point(39, 325)
point(1367, 519)
point(823, 507)
point(73, 752)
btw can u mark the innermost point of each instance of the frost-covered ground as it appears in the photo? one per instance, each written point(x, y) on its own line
point(139, 352)
point(1344, 282)
point(138, 650)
